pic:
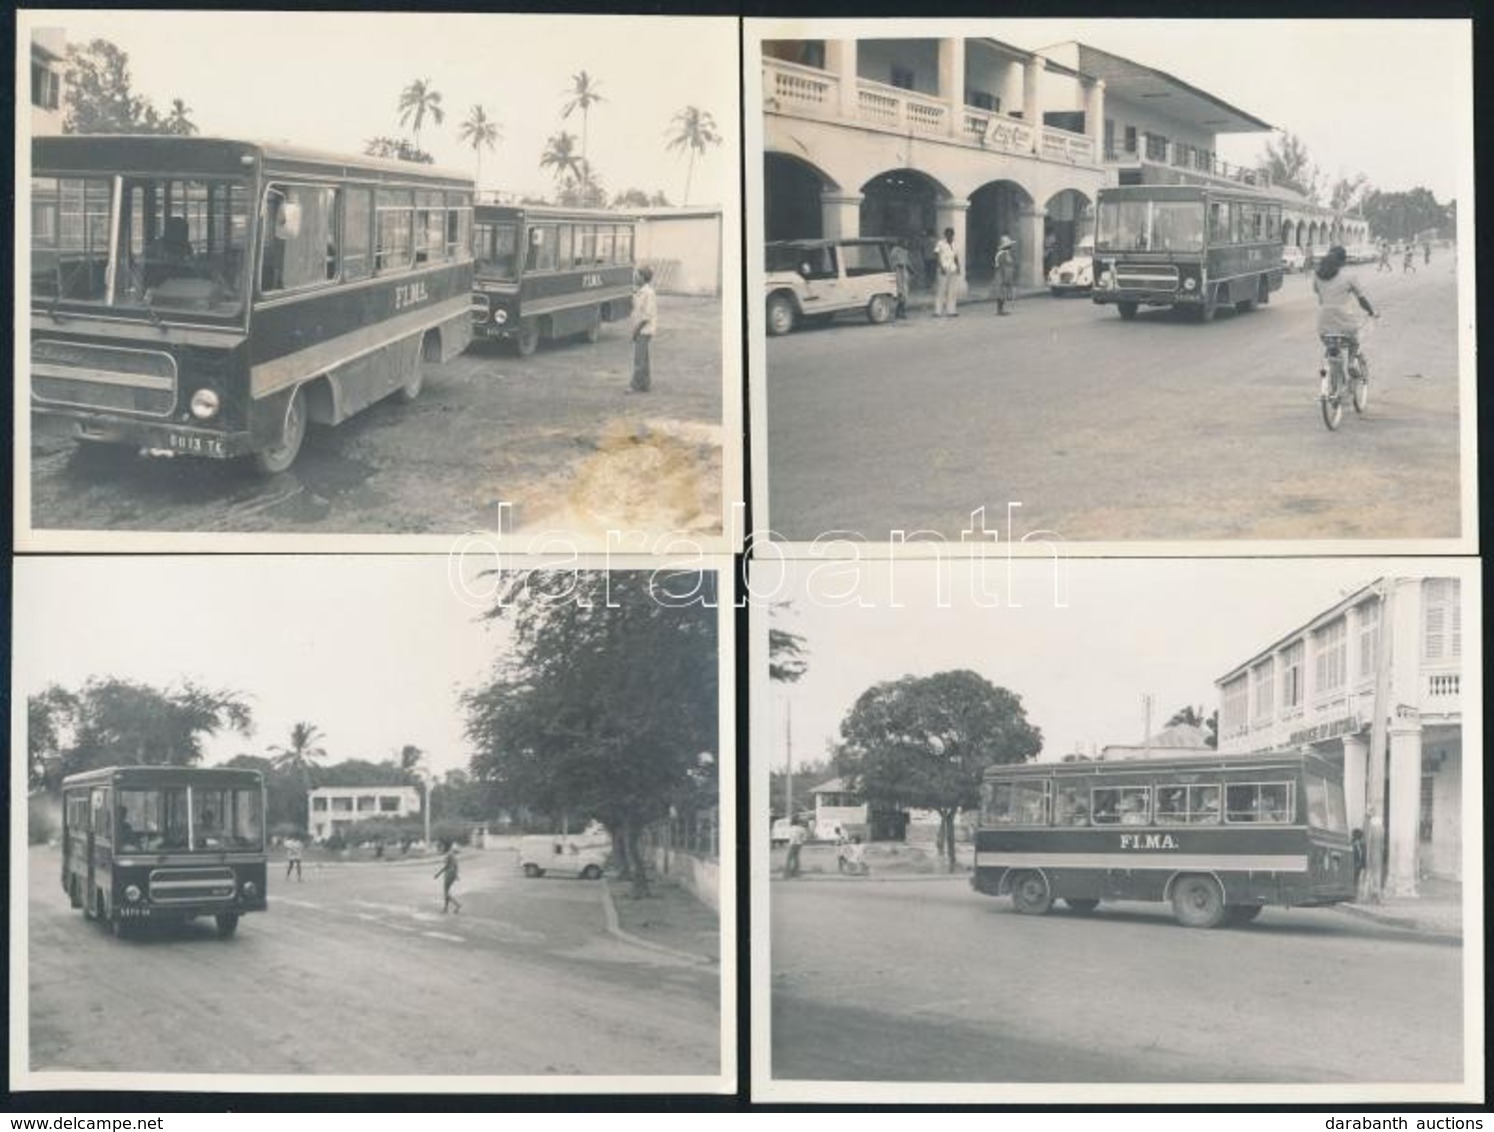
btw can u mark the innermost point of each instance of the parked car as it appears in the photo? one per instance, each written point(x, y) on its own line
point(1363, 253)
point(1075, 276)
point(1293, 258)
point(582, 855)
point(814, 280)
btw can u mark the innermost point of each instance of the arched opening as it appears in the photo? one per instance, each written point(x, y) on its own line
point(1288, 233)
point(901, 204)
point(791, 198)
point(1070, 218)
point(995, 211)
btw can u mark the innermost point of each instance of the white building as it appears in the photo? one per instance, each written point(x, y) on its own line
point(335, 809)
point(1316, 686)
point(683, 246)
point(48, 58)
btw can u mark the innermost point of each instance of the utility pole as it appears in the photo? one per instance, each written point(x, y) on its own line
point(1374, 779)
point(1146, 733)
point(788, 746)
point(426, 773)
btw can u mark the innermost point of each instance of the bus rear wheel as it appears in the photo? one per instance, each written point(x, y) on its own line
point(1031, 895)
point(278, 458)
point(1083, 906)
point(227, 922)
point(1127, 310)
point(1198, 902)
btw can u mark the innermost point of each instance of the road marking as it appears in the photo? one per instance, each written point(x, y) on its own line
point(448, 938)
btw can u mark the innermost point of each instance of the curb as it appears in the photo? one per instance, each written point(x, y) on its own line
point(876, 878)
point(1405, 923)
point(609, 910)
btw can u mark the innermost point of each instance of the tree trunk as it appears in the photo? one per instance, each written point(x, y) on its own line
point(946, 829)
point(640, 866)
point(689, 173)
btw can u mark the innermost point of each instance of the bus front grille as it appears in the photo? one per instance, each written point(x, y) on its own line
point(169, 886)
point(84, 376)
point(1147, 276)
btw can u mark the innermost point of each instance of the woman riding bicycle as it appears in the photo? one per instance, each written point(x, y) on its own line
point(1336, 313)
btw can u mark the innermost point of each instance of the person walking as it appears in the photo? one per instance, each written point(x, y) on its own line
point(1426, 249)
point(1384, 264)
point(448, 872)
point(1408, 260)
point(645, 325)
point(902, 266)
point(1006, 275)
point(946, 296)
point(293, 858)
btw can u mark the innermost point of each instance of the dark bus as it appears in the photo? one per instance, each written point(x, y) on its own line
point(162, 845)
point(1217, 837)
point(209, 297)
point(546, 273)
point(1191, 246)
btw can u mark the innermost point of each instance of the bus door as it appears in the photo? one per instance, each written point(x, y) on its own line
point(98, 801)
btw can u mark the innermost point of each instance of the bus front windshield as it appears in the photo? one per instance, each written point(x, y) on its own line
point(497, 251)
point(165, 818)
point(182, 242)
point(1150, 226)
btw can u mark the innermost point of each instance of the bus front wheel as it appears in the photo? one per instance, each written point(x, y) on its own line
point(1031, 895)
point(279, 457)
point(228, 923)
point(1198, 902)
point(1127, 310)
point(528, 339)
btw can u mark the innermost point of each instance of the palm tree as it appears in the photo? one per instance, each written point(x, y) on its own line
point(693, 130)
point(560, 156)
point(301, 754)
point(179, 120)
point(583, 96)
point(480, 132)
point(415, 102)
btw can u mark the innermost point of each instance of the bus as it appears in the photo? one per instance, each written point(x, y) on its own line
point(1218, 838)
point(1194, 247)
point(545, 273)
point(210, 297)
point(161, 845)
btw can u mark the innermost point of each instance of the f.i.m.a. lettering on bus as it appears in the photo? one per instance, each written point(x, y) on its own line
point(1148, 841)
point(410, 294)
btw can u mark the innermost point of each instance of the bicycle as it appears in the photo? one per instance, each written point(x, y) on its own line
point(1344, 373)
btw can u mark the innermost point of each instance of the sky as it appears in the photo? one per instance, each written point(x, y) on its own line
point(372, 650)
point(333, 80)
point(1130, 627)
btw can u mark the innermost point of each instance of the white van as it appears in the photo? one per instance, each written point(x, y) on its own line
point(582, 855)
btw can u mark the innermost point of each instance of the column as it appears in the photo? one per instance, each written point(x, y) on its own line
point(1403, 829)
point(1356, 762)
point(952, 84)
point(1029, 237)
point(840, 60)
point(1032, 102)
point(1094, 116)
point(950, 213)
point(840, 215)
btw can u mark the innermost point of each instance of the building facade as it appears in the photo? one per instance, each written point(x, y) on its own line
point(336, 809)
point(1317, 687)
point(683, 247)
point(48, 59)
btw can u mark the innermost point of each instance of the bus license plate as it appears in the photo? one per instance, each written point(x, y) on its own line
point(196, 445)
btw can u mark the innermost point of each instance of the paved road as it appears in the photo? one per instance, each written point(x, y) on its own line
point(356, 971)
point(923, 980)
point(553, 435)
point(1156, 429)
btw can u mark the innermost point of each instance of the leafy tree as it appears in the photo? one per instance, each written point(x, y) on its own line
point(179, 120)
point(125, 723)
point(631, 198)
point(1191, 716)
point(786, 656)
point(692, 131)
point(584, 193)
point(300, 756)
point(49, 714)
point(925, 742)
point(806, 777)
point(397, 149)
point(606, 703)
point(562, 159)
point(480, 132)
point(416, 102)
point(363, 772)
point(285, 791)
point(1348, 193)
point(101, 98)
point(1288, 163)
point(1406, 215)
point(582, 96)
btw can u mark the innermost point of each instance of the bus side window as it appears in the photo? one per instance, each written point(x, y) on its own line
point(357, 233)
point(1070, 806)
point(300, 237)
point(98, 805)
point(1241, 802)
point(625, 245)
point(605, 234)
point(1276, 802)
point(394, 238)
point(564, 256)
point(1203, 805)
point(1172, 805)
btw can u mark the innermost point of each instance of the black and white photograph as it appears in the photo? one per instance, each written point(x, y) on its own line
point(1118, 830)
point(1155, 281)
point(370, 824)
point(481, 274)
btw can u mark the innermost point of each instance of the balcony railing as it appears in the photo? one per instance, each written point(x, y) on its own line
point(899, 109)
point(996, 131)
point(1062, 145)
point(1442, 693)
point(804, 88)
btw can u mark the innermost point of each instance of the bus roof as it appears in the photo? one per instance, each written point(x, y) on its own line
point(1184, 192)
point(165, 153)
point(1099, 768)
point(555, 212)
point(144, 776)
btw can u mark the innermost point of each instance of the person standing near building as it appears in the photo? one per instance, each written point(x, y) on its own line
point(930, 260)
point(645, 325)
point(1356, 844)
point(293, 849)
point(449, 872)
point(796, 838)
point(946, 295)
point(902, 266)
point(1006, 275)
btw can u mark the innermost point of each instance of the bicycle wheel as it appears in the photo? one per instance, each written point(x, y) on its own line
point(1332, 402)
point(1361, 387)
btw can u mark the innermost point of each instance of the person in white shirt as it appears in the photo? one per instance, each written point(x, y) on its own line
point(645, 323)
point(945, 294)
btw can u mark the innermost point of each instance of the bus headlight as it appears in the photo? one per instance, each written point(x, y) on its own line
point(500, 316)
point(132, 893)
point(1189, 284)
point(204, 404)
point(250, 890)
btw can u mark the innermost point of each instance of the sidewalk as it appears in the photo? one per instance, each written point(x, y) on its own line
point(669, 919)
point(1436, 910)
point(981, 294)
